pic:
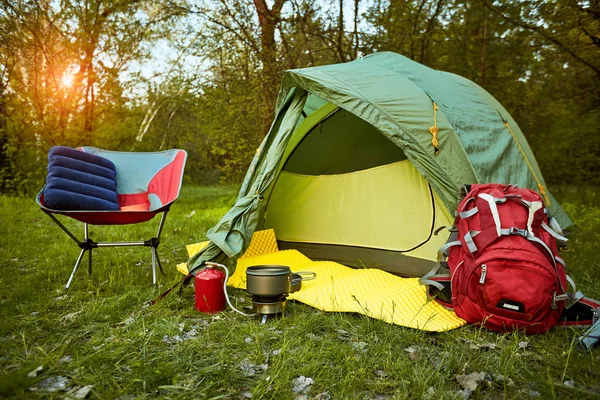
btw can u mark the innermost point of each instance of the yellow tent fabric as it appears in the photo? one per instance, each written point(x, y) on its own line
point(373, 213)
point(337, 288)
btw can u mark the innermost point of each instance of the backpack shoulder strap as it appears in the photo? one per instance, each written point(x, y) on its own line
point(441, 269)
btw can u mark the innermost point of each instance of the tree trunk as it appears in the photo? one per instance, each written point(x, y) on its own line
point(268, 20)
point(482, 56)
point(355, 42)
point(340, 33)
point(4, 160)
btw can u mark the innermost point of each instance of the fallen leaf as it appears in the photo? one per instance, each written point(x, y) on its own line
point(430, 393)
point(247, 368)
point(472, 380)
point(263, 367)
point(523, 345)
point(343, 335)
point(413, 353)
point(381, 373)
point(83, 392)
point(51, 384)
point(35, 372)
point(360, 346)
point(70, 316)
point(192, 333)
point(172, 340)
point(411, 349)
point(465, 393)
point(301, 384)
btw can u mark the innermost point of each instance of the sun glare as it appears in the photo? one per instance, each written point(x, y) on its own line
point(67, 80)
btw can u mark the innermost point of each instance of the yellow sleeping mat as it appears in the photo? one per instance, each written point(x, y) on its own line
point(372, 292)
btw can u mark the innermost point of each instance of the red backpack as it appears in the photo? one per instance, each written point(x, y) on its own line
point(503, 267)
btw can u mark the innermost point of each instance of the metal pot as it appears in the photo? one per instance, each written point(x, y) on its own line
point(274, 280)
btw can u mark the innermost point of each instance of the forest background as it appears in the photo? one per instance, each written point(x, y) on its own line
point(203, 75)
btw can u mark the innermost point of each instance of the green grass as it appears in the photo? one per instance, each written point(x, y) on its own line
point(100, 334)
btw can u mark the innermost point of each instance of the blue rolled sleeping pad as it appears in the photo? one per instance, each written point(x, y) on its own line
point(78, 180)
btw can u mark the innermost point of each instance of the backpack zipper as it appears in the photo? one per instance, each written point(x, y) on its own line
point(483, 273)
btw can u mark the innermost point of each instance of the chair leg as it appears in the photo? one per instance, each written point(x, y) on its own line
point(158, 262)
point(75, 268)
point(154, 266)
point(90, 263)
point(86, 235)
point(153, 243)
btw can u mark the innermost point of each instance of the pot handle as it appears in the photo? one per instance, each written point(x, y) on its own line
point(306, 275)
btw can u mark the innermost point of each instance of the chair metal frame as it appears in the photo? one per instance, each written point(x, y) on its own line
point(87, 244)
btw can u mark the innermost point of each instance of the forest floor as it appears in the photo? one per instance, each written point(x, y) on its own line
point(98, 340)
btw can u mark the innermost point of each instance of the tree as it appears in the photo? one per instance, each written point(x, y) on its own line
point(268, 20)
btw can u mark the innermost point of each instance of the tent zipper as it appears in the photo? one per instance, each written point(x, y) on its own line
point(434, 129)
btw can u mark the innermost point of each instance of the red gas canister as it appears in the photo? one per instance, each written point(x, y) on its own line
point(210, 297)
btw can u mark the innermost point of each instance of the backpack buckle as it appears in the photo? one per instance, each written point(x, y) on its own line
point(559, 297)
point(518, 232)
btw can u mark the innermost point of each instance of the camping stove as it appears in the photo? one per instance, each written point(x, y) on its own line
point(270, 285)
point(268, 305)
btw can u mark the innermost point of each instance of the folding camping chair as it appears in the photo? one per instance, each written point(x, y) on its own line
point(147, 184)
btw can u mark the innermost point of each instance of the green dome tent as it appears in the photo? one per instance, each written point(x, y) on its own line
point(365, 160)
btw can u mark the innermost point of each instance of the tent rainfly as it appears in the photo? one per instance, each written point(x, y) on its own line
point(364, 162)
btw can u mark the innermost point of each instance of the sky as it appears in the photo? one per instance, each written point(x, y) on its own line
point(164, 53)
